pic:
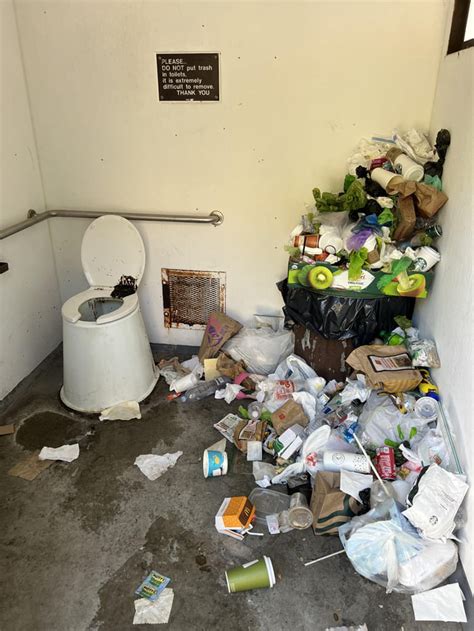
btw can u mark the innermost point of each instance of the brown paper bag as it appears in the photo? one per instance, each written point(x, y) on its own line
point(386, 367)
point(219, 329)
point(289, 414)
point(330, 506)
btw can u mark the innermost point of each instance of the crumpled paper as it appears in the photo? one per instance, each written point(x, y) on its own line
point(124, 411)
point(154, 612)
point(229, 393)
point(66, 453)
point(153, 466)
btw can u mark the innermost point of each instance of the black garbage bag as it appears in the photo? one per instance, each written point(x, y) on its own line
point(339, 318)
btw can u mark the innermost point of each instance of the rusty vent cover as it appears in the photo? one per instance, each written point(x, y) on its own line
point(189, 296)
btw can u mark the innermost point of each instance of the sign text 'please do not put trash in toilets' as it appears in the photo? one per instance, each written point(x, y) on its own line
point(188, 76)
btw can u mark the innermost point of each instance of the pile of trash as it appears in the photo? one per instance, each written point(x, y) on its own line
point(363, 460)
point(376, 235)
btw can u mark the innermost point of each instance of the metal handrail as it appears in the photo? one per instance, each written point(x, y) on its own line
point(215, 218)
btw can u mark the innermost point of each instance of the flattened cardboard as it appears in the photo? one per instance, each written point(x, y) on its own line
point(30, 467)
point(5, 430)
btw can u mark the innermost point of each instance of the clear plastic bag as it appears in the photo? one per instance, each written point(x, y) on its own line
point(260, 349)
point(294, 368)
point(384, 548)
point(381, 420)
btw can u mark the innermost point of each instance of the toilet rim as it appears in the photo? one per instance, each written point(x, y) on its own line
point(71, 314)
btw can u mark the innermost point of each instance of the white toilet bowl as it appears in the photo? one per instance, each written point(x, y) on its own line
point(107, 355)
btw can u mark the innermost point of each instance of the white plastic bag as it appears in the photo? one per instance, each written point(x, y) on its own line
point(381, 420)
point(260, 349)
point(385, 548)
point(293, 367)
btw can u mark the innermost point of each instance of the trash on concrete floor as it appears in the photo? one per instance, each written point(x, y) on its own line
point(152, 586)
point(125, 411)
point(256, 574)
point(66, 453)
point(153, 465)
point(443, 604)
point(5, 430)
point(154, 612)
point(29, 467)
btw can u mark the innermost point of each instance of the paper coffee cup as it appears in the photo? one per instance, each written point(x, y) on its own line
point(254, 575)
point(382, 176)
point(338, 460)
point(408, 168)
point(214, 463)
point(426, 258)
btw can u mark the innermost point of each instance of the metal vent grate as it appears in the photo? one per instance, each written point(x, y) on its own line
point(189, 296)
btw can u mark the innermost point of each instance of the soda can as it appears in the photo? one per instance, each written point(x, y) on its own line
point(385, 463)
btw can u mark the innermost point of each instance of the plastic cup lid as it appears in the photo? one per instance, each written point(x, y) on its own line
point(270, 570)
point(225, 464)
point(205, 463)
point(227, 581)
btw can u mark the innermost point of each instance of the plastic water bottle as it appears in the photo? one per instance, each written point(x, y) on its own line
point(204, 389)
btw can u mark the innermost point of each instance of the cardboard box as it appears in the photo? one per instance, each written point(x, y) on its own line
point(235, 513)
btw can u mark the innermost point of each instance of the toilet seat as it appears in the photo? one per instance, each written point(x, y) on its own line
point(70, 310)
point(111, 248)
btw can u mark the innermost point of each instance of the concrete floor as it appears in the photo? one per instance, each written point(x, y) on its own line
point(78, 539)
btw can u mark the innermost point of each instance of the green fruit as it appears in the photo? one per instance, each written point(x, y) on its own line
point(303, 275)
point(320, 277)
point(416, 286)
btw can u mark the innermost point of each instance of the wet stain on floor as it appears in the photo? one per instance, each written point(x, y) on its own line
point(47, 429)
point(102, 486)
point(117, 595)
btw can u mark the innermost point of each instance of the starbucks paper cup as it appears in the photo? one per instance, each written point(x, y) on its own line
point(253, 575)
point(382, 177)
point(408, 168)
point(426, 258)
point(214, 463)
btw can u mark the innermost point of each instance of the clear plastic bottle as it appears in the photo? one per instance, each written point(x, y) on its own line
point(204, 389)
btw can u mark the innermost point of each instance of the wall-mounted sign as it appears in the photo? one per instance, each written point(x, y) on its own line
point(188, 76)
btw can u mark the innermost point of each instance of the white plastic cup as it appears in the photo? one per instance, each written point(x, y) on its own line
point(408, 168)
point(382, 176)
point(426, 258)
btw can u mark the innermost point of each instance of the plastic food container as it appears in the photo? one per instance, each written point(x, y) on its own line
point(268, 502)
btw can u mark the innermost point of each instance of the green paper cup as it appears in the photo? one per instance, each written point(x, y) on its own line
point(254, 575)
